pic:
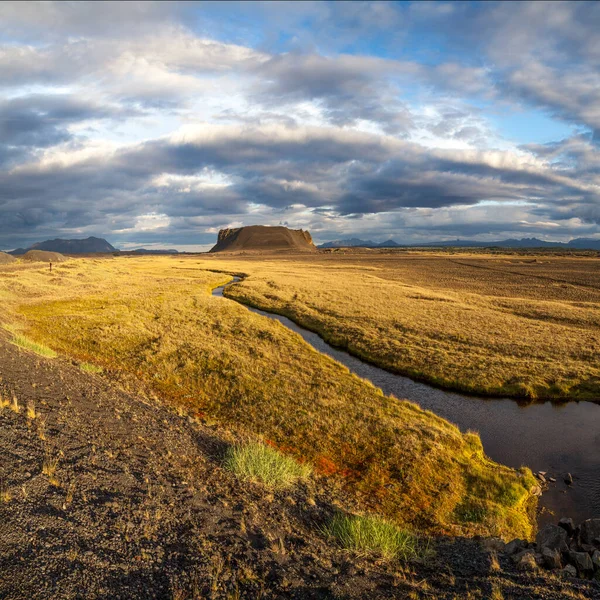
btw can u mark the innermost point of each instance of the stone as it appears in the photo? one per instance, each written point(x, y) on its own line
point(552, 479)
point(494, 544)
point(514, 546)
point(551, 558)
point(582, 562)
point(541, 478)
point(535, 490)
point(553, 537)
point(596, 559)
point(567, 525)
point(569, 479)
point(569, 571)
point(589, 530)
point(526, 561)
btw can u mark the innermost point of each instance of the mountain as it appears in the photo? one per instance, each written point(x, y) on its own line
point(150, 251)
point(261, 238)
point(351, 243)
point(91, 245)
point(574, 244)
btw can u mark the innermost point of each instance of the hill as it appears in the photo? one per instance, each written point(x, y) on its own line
point(91, 245)
point(43, 256)
point(6, 258)
point(261, 238)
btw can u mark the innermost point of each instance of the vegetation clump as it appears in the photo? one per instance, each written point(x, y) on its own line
point(28, 344)
point(90, 368)
point(259, 462)
point(373, 535)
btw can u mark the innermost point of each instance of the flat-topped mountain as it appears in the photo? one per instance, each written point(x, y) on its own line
point(262, 238)
point(91, 245)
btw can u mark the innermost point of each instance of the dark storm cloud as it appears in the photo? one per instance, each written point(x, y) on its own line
point(43, 120)
point(353, 173)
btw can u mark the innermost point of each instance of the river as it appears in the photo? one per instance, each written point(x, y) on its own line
point(558, 438)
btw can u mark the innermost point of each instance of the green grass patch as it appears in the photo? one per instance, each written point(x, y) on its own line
point(262, 463)
point(373, 535)
point(90, 368)
point(27, 344)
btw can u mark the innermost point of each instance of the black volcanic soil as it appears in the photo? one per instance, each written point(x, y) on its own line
point(261, 238)
point(141, 508)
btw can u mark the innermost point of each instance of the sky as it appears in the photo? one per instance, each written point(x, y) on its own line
point(157, 124)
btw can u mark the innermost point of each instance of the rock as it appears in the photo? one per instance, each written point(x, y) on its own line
point(494, 544)
point(551, 479)
point(588, 548)
point(542, 473)
point(590, 530)
point(526, 561)
point(569, 571)
point(535, 490)
point(567, 525)
point(553, 537)
point(541, 477)
point(551, 558)
point(539, 559)
point(514, 546)
point(596, 559)
point(569, 479)
point(582, 562)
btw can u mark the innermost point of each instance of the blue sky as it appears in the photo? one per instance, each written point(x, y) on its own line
point(157, 124)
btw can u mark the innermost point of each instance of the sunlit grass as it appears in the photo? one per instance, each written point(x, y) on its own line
point(372, 535)
point(90, 368)
point(28, 344)
point(262, 463)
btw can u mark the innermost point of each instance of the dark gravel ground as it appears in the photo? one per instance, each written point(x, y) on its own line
point(139, 507)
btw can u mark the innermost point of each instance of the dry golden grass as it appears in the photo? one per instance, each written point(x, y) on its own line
point(500, 325)
point(154, 317)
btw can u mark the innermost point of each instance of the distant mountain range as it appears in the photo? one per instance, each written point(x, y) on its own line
point(150, 251)
point(91, 245)
point(575, 244)
point(356, 242)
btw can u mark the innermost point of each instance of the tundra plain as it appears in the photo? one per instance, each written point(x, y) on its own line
point(522, 325)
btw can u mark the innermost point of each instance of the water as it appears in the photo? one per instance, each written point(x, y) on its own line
point(558, 438)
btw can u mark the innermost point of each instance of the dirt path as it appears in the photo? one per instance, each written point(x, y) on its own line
point(134, 504)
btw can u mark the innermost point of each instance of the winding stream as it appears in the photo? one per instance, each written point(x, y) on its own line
point(558, 438)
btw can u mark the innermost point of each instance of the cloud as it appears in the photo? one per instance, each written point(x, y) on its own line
point(222, 170)
point(165, 121)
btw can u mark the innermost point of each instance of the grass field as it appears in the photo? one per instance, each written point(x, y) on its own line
point(153, 322)
point(508, 325)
